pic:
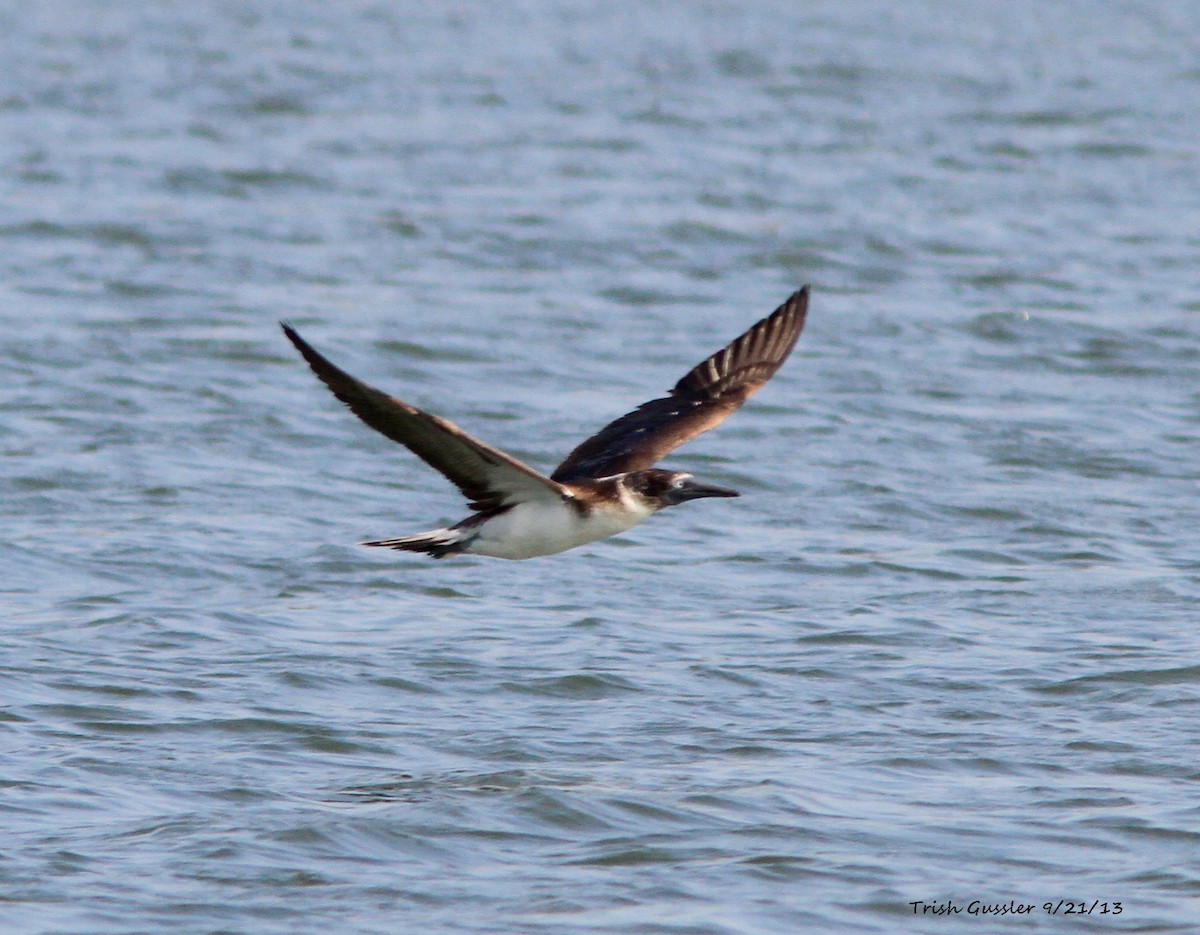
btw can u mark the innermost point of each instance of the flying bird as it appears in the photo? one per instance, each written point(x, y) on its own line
point(605, 486)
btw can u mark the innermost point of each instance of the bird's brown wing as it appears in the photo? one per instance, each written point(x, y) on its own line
point(710, 391)
point(487, 477)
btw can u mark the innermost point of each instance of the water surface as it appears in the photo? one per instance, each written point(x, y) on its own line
point(944, 646)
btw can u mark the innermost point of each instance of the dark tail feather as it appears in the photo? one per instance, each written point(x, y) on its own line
point(437, 542)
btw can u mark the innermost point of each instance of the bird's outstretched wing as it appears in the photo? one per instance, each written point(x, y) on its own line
point(710, 391)
point(487, 477)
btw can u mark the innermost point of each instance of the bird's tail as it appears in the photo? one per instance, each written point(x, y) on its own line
point(437, 542)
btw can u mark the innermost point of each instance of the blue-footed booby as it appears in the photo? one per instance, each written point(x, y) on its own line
point(605, 486)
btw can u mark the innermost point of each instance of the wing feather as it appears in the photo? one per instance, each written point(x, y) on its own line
point(487, 477)
point(704, 397)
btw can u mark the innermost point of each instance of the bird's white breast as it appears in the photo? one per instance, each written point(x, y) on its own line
point(531, 529)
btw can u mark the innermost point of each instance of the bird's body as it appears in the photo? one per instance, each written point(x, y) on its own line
point(606, 486)
point(533, 528)
point(528, 530)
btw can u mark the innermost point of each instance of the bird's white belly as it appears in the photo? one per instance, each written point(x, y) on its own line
point(532, 529)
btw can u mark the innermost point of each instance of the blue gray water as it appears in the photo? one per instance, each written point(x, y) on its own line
point(945, 646)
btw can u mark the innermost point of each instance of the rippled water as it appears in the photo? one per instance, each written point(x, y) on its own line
point(943, 648)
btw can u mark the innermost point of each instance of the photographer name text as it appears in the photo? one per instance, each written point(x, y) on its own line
point(1015, 907)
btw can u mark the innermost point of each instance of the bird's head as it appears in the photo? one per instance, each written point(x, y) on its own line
point(669, 488)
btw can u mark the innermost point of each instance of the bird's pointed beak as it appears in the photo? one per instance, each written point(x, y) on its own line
point(692, 490)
